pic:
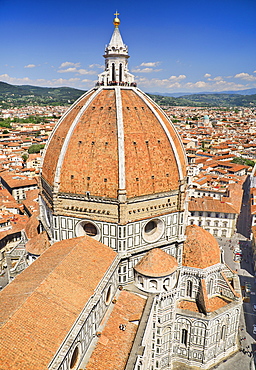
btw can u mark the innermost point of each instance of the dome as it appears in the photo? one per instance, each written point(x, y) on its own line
point(111, 139)
point(200, 249)
point(113, 157)
point(156, 263)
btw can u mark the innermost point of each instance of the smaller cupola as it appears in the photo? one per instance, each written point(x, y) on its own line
point(156, 271)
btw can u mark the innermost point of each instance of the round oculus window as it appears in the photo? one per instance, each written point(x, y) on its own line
point(87, 228)
point(153, 230)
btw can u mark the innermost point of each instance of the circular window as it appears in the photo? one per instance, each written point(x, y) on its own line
point(75, 358)
point(153, 230)
point(88, 228)
point(150, 227)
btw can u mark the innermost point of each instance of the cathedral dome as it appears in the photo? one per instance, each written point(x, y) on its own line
point(156, 263)
point(114, 138)
point(116, 158)
point(200, 249)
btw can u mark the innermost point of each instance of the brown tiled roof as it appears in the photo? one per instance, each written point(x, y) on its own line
point(209, 204)
point(214, 304)
point(156, 263)
point(41, 304)
point(114, 345)
point(17, 180)
point(31, 226)
point(38, 244)
point(200, 249)
point(150, 162)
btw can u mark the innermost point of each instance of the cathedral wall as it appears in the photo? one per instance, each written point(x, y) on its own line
point(204, 342)
point(110, 210)
point(132, 237)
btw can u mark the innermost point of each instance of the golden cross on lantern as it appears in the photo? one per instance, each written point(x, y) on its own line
point(116, 21)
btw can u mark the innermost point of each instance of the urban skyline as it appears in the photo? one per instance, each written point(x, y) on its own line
point(173, 47)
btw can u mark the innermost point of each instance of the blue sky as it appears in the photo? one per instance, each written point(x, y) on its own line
point(174, 46)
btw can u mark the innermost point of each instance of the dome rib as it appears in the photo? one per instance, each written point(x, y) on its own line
point(120, 138)
point(68, 136)
point(152, 107)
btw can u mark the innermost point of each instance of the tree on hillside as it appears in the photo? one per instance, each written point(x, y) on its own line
point(35, 148)
point(243, 161)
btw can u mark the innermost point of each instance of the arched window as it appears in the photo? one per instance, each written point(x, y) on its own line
point(223, 332)
point(153, 285)
point(120, 72)
point(166, 284)
point(113, 72)
point(184, 336)
point(210, 287)
point(140, 280)
point(189, 288)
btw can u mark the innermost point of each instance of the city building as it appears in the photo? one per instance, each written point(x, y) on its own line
point(126, 283)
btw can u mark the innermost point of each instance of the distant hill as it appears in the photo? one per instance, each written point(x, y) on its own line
point(14, 95)
point(208, 100)
point(181, 94)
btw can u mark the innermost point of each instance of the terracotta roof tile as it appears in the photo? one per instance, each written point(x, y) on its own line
point(200, 249)
point(114, 345)
point(155, 263)
point(41, 304)
point(150, 162)
point(38, 244)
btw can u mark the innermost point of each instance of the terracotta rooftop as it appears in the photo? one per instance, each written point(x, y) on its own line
point(200, 249)
point(32, 226)
point(41, 304)
point(156, 263)
point(209, 204)
point(114, 345)
point(153, 163)
point(15, 180)
point(38, 244)
point(214, 304)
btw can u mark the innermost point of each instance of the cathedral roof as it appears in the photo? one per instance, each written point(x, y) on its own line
point(107, 354)
point(39, 307)
point(200, 249)
point(111, 139)
point(156, 263)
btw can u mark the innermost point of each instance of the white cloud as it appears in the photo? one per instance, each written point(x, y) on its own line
point(68, 70)
point(176, 85)
point(207, 75)
point(245, 76)
point(177, 78)
point(75, 70)
point(74, 82)
point(69, 64)
point(30, 66)
point(80, 71)
point(96, 66)
point(149, 64)
point(85, 72)
point(145, 70)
